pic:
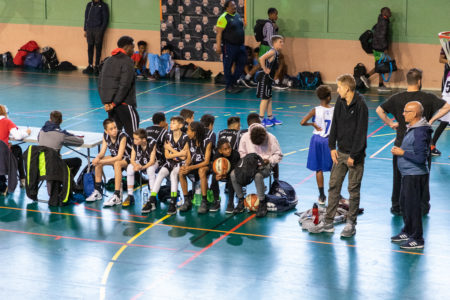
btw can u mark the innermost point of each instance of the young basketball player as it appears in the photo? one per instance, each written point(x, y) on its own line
point(319, 157)
point(188, 116)
point(175, 152)
point(269, 63)
point(143, 156)
point(157, 132)
point(119, 145)
point(232, 133)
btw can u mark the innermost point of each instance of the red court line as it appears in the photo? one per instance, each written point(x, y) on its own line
point(306, 179)
point(190, 259)
point(57, 237)
point(378, 129)
point(117, 214)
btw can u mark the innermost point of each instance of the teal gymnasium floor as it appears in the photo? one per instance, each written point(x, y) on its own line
point(87, 252)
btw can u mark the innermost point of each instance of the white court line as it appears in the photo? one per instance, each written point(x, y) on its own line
point(382, 148)
point(145, 92)
point(190, 102)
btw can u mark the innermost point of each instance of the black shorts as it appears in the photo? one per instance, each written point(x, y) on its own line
point(264, 88)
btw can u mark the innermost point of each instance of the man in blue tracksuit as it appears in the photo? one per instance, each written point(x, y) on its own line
point(412, 163)
point(96, 18)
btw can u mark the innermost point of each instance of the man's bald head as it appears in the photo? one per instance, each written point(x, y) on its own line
point(413, 112)
point(417, 107)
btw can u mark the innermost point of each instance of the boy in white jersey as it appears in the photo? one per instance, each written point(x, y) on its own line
point(269, 64)
point(319, 157)
point(143, 156)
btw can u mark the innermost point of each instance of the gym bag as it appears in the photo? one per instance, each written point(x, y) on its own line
point(281, 197)
point(49, 58)
point(33, 60)
point(23, 51)
point(358, 71)
point(385, 65)
point(366, 41)
point(309, 80)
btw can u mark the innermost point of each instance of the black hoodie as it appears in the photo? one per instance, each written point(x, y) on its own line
point(96, 15)
point(380, 34)
point(349, 127)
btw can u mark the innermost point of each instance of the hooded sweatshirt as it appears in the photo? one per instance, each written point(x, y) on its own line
point(53, 137)
point(416, 145)
point(380, 34)
point(96, 15)
point(269, 150)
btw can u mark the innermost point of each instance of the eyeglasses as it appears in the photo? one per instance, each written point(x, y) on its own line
point(407, 111)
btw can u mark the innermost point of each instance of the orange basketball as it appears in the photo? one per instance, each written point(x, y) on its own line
point(251, 202)
point(221, 166)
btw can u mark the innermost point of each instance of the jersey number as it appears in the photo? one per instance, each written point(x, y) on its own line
point(447, 86)
point(328, 123)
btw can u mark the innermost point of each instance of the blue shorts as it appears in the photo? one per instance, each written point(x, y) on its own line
point(319, 156)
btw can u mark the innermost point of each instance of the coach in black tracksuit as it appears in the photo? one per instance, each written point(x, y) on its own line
point(96, 18)
point(117, 86)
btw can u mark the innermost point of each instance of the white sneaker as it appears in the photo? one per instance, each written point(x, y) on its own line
point(96, 195)
point(348, 231)
point(384, 89)
point(113, 200)
point(365, 80)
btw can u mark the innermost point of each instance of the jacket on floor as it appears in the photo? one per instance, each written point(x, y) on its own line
point(416, 145)
point(96, 15)
point(380, 34)
point(8, 166)
point(117, 82)
point(43, 163)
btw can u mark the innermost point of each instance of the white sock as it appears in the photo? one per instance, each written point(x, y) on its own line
point(247, 77)
point(130, 191)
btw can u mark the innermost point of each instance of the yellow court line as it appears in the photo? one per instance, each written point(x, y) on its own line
point(392, 133)
point(119, 252)
point(299, 150)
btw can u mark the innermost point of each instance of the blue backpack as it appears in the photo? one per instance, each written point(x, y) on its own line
point(33, 60)
point(281, 197)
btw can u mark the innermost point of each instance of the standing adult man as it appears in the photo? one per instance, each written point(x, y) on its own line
point(412, 163)
point(117, 86)
point(231, 37)
point(96, 19)
point(395, 106)
point(349, 131)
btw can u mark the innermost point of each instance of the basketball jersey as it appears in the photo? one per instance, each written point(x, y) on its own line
point(232, 136)
point(323, 117)
point(272, 65)
point(114, 147)
point(143, 156)
point(176, 145)
point(158, 133)
point(198, 154)
point(446, 90)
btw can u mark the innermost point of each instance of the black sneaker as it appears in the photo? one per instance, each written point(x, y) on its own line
point(187, 205)
point(230, 207)
point(412, 244)
point(128, 202)
point(240, 207)
point(215, 206)
point(96, 71)
point(203, 209)
point(401, 237)
point(89, 70)
point(147, 208)
point(435, 152)
point(172, 208)
point(262, 209)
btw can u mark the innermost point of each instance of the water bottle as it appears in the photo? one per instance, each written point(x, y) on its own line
point(315, 213)
point(145, 197)
point(177, 73)
point(5, 59)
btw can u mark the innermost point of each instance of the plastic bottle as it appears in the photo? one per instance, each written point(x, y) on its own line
point(145, 197)
point(315, 213)
point(177, 73)
point(4, 58)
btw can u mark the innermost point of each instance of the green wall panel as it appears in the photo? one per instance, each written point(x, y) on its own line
point(23, 11)
point(135, 14)
point(427, 18)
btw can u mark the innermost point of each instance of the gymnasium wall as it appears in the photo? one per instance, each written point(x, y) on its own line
point(321, 34)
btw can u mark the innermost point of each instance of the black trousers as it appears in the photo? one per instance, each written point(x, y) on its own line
point(397, 186)
point(74, 165)
point(17, 152)
point(94, 38)
point(411, 195)
point(125, 116)
point(216, 191)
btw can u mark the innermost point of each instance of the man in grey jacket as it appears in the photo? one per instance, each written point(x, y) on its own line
point(52, 136)
point(117, 86)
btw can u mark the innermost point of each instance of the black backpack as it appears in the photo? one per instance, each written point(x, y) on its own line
point(358, 71)
point(66, 66)
point(258, 29)
point(309, 80)
point(6, 60)
point(247, 168)
point(49, 59)
point(366, 41)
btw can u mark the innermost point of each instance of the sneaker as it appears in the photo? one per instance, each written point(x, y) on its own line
point(140, 77)
point(230, 207)
point(322, 227)
point(348, 231)
point(322, 200)
point(203, 209)
point(113, 200)
point(187, 205)
point(22, 183)
point(96, 195)
point(96, 71)
point(239, 208)
point(275, 121)
point(399, 237)
point(412, 244)
point(172, 208)
point(215, 206)
point(384, 89)
point(128, 202)
point(243, 82)
point(435, 152)
point(262, 209)
point(280, 86)
point(146, 208)
point(252, 83)
point(89, 70)
point(365, 80)
point(266, 123)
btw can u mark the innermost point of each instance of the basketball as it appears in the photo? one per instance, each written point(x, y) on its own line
point(251, 202)
point(221, 166)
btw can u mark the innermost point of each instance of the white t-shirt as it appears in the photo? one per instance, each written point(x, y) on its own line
point(323, 117)
point(446, 97)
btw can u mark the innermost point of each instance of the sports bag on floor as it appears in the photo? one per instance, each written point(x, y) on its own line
point(29, 47)
point(281, 197)
point(309, 80)
point(33, 60)
point(49, 58)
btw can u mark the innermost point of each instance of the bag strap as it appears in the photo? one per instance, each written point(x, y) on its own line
point(390, 73)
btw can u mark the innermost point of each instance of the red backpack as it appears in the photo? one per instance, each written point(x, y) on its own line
point(23, 52)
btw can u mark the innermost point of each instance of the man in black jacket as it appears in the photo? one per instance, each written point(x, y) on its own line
point(96, 17)
point(380, 45)
point(349, 131)
point(117, 86)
